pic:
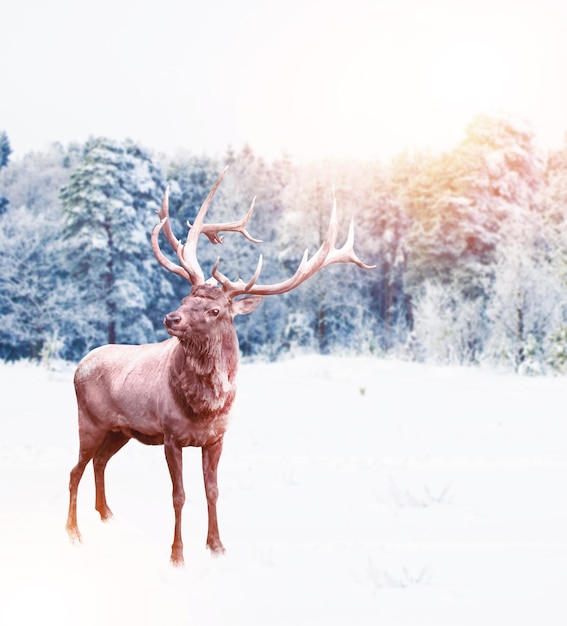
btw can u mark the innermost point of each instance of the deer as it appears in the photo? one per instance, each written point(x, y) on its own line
point(179, 392)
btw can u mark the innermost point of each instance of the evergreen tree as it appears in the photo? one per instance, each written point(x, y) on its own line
point(35, 180)
point(109, 207)
point(382, 230)
point(251, 177)
point(465, 208)
point(459, 201)
point(554, 209)
point(248, 177)
point(523, 305)
point(552, 258)
point(36, 298)
point(527, 307)
point(190, 178)
point(5, 151)
point(447, 328)
point(333, 310)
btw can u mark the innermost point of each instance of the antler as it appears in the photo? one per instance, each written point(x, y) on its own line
point(189, 267)
point(326, 255)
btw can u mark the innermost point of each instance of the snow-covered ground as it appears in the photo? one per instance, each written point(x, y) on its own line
point(353, 492)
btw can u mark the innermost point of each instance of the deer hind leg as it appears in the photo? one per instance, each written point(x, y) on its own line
point(86, 453)
point(76, 475)
point(113, 442)
point(211, 456)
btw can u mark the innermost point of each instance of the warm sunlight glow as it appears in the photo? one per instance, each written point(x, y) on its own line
point(367, 90)
point(472, 76)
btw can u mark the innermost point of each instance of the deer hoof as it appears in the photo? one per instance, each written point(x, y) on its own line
point(105, 515)
point(177, 559)
point(74, 534)
point(216, 547)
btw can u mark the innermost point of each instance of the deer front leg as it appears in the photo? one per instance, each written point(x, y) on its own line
point(174, 457)
point(211, 456)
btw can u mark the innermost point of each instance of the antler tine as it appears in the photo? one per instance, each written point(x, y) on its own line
point(188, 256)
point(346, 254)
point(189, 267)
point(327, 254)
point(164, 224)
point(187, 253)
point(239, 287)
point(212, 230)
point(164, 215)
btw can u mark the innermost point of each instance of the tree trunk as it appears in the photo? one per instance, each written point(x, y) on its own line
point(109, 279)
point(520, 334)
point(322, 330)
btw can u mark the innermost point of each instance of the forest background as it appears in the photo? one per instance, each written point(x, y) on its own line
point(470, 246)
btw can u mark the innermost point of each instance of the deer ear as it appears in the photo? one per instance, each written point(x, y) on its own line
point(245, 305)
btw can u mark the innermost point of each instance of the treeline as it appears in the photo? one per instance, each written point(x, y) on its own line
point(470, 247)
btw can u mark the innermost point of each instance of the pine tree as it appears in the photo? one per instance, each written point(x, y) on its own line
point(109, 208)
point(382, 230)
point(466, 206)
point(190, 178)
point(35, 179)
point(333, 310)
point(5, 151)
point(36, 296)
point(251, 177)
point(459, 201)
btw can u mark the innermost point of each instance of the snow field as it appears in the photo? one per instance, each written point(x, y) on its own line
point(352, 491)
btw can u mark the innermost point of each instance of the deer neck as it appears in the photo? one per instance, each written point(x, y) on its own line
point(203, 376)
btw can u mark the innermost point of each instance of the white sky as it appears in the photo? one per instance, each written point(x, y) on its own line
point(316, 78)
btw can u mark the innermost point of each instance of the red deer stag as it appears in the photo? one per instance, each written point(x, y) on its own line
point(179, 392)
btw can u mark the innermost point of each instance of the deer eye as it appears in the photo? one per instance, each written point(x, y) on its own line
point(214, 312)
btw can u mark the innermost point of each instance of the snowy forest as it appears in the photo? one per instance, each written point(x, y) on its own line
point(470, 247)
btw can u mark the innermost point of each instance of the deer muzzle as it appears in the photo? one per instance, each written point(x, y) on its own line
point(171, 320)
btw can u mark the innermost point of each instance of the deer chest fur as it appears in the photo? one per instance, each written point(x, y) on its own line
point(204, 402)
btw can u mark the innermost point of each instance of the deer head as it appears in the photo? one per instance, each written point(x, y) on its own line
point(190, 269)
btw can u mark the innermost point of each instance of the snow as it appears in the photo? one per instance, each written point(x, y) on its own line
point(352, 491)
